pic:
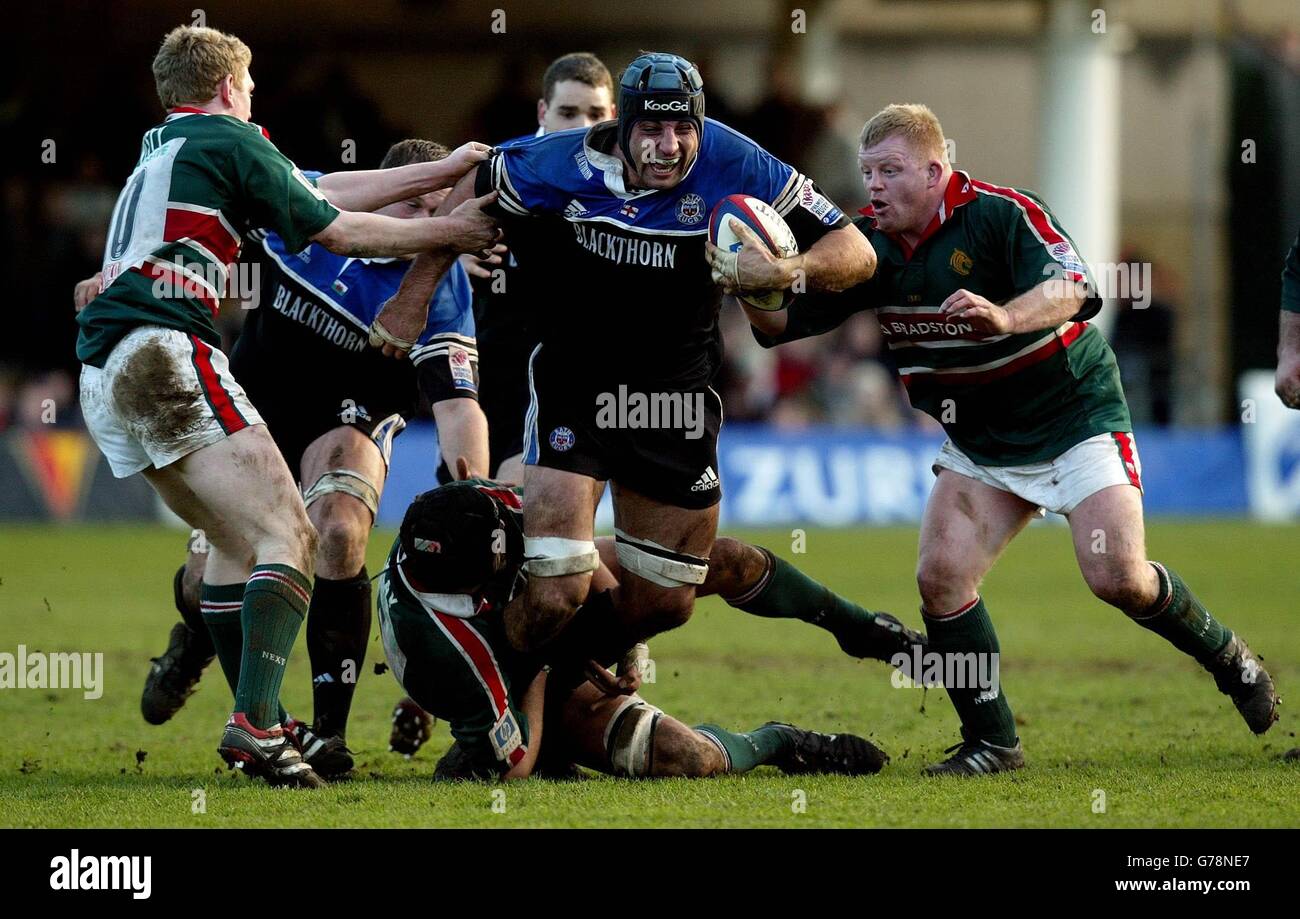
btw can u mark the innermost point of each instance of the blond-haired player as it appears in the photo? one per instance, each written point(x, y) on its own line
point(156, 390)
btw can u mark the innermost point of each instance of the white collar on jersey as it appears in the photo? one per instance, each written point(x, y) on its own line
point(462, 606)
point(611, 167)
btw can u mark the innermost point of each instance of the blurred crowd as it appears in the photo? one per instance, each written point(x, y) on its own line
point(57, 210)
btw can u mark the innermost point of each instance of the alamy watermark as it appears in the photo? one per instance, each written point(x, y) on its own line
point(1129, 281)
point(241, 281)
point(660, 410)
point(951, 670)
point(55, 670)
point(103, 872)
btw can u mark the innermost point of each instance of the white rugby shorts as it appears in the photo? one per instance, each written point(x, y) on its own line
point(1058, 485)
point(161, 395)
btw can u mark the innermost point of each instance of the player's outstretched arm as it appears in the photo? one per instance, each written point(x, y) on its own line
point(371, 189)
point(1287, 380)
point(841, 259)
point(467, 229)
point(1045, 306)
point(402, 318)
point(463, 433)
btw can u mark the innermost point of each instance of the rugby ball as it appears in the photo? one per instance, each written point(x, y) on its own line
point(768, 226)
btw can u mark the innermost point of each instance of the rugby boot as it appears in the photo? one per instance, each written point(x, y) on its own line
point(173, 676)
point(978, 757)
point(458, 766)
point(833, 754)
point(328, 756)
point(1241, 677)
point(268, 754)
point(880, 639)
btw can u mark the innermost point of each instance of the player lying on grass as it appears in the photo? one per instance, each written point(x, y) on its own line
point(311, 311)
point(156, 390)
point(454, 567)
point(611, 223)
point(983, 302)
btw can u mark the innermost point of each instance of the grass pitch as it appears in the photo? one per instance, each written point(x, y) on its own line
point(1120, 730)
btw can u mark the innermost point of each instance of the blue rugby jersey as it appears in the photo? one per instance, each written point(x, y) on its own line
point(307, 336)
point(618, 276)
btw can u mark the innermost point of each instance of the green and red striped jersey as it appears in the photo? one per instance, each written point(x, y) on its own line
point(202, 181)
point(1004, 400)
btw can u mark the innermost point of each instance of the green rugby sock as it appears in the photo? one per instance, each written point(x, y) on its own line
point(221, 604)
point(745, 751)
point(785, 592)
point(963, 633)
point(192, 614)
point(1180, 619)
point(275, 602)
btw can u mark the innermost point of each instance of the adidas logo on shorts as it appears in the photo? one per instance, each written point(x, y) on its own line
point(707, 481)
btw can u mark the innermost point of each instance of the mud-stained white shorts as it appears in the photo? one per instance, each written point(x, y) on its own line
point(161, 395)
point(1058, 485)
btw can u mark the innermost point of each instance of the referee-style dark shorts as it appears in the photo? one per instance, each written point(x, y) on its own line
point(668, 453)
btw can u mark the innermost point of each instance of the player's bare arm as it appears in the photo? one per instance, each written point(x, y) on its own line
point(370, 189)
point(463, 433)
point(839, 260)
point(1287, 380)
point(534, 704)
point(1043, 307)
point(398, 324)
point(464, 230)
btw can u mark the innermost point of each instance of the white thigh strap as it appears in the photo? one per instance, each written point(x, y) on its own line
point(630, 738)
point(657, 564)
point(344, 481)
point(555, 556)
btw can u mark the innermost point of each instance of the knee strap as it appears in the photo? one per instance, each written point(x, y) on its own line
point(657, 564)
point(344, 481)
point(630, 738)
point(555, 556)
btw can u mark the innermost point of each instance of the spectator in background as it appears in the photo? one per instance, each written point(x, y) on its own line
point(856, 387)
point(783, 122)
point(1143, 342)
point(340, 111)
point(511, 109)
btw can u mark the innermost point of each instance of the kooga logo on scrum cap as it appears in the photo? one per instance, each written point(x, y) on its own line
point(676, 106)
